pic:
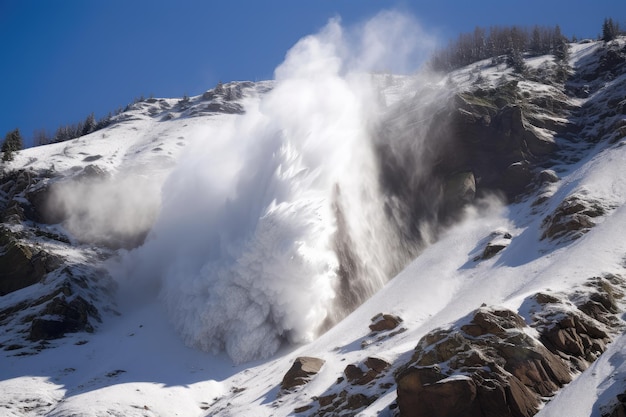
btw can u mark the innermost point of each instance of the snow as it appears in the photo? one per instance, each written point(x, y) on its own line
point(237, 274)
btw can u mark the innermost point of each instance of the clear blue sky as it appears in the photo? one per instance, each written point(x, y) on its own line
point(63, 59)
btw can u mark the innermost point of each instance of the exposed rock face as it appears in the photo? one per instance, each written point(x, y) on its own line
point(579, 336)
point(491, 366)
point(65, 317)
point(572, 218)
point(31, 253)
point(373, 368)
point(495, 368)
point(360, 385)
point(483, 141)
point(301, 372)
point(21, 265)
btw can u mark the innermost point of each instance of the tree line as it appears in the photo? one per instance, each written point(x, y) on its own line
point(498, 41)
point(511, 43)
point(73, 130)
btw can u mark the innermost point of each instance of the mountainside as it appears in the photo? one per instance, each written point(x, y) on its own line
point(328, 243)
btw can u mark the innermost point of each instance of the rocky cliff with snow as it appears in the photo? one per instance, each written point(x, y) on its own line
point(328, 243)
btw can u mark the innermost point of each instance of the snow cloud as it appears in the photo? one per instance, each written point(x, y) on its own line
point(115, 211)
point(263, 208)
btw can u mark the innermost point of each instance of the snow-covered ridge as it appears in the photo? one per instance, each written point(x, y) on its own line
point(246, 204)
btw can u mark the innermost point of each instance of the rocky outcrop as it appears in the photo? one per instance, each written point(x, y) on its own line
point(63, 316)
point(383, 326)
point(72, 300)
point(21, 264)
point(301, 372)
point(63, 294)
point(579, 336)
point(493, 367)
point(370, 370)
point(497, 242)
point(360, 385)
point(491, 137)
point(489, 365)
point(572, 218)
point(482, 141)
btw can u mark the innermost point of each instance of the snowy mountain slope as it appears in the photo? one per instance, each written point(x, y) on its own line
point(135, 364)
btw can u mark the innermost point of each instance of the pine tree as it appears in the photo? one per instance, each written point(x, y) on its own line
point(104, 122)
point(62, 134)
point(610, 30)
point(560, 50)
point(89, 125)
point(40, 137)
point(515, 60)
point(12, 143)
point(535, 42)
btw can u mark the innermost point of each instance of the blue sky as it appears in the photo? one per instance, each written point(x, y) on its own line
point(64, 59)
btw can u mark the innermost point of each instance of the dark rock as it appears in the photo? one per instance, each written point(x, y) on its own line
point(358, 401)
point(382, 322)
point(302, 409)
point(301, 372)
point(543, 298)
point(495, 322)
point(421, 393)
point(572, 218)
point(410, 388)
point(355, 375)
point(92, 158)
point(68, 317)
point(40, 209)
point(224, 107)
point(326, 400)
point(492, 249)
point(516, 178)
point(494, 369)
point(459, 189)
point(20, 265)
point(548, 176)
point(376, 365)
point(13, 213)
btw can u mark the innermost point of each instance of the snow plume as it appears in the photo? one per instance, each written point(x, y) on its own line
point(272, 226)
point(117, 211)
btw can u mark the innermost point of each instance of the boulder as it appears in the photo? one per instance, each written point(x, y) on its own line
point(374, 367)
point(383, 322)
point(301, 372)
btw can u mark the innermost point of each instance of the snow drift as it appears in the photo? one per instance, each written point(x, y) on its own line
point(266, 211)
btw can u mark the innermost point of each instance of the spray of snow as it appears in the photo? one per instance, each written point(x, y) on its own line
point(117, 211)
point(265, 210)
